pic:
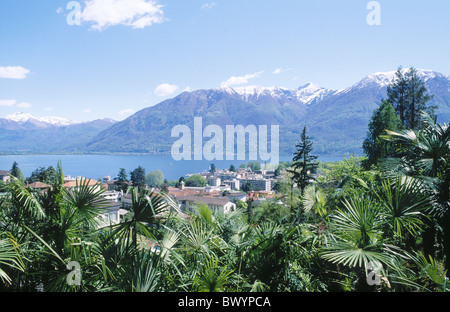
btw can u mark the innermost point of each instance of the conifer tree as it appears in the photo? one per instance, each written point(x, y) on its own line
point(408, 95)
point(16, 172)
point(137, 177)
point(383, 118)
point(303, 162)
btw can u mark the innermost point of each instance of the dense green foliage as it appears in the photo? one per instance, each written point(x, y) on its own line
point(337, 226)
point(384, 118)
point(138, 178)
point(358, 231)
point(155, 178)
point(195, 181)
point(408, 95)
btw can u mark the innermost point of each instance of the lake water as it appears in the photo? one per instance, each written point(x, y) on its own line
point(98, 166)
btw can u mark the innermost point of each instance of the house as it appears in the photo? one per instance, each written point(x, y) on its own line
point(233, 184)
point(80, 182)
point(258, 184)
point(213, 181)
point(235, 196)
point(5, 176)
point(114, 213)
point(39, 186)
point(220, 204)
point(113, 196)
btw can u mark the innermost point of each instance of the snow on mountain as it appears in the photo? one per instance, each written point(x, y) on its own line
point(306, 94)
point(248, 91)
point(22, 118)
point(311, 92)
point(383, 79)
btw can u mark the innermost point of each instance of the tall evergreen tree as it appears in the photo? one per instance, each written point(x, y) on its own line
point(137, 177)
point(16, 172)
point(303, 162)
point(122, 179)
point(383, 118)
point(408, 96)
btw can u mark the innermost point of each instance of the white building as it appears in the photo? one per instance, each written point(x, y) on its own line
point(5, 176)
point(258, 184)
point(220, 204)
point(113, 196)
point(114, 214)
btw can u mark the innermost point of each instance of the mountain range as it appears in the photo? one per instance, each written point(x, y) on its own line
point(337, 120)
point(24, 133)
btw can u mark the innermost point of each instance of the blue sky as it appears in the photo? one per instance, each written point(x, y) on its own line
point(121, 59)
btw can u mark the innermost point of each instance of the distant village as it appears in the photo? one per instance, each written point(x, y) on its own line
point(223, 191)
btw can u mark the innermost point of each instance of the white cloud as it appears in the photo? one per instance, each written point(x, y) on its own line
point(86, 111)
point(13, 72)
point(208, 5)
point(134, 13)
point(277, 71)
point(24, 105)
point(11, 103)
point(125, 112)
point(240, 80)
point(165, 89)
point(7, 103)
point(187, 89)
point(280, 70)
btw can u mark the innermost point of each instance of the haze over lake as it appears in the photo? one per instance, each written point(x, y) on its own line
point(98, 166)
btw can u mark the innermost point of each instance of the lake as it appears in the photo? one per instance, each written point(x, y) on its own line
point(98, 166)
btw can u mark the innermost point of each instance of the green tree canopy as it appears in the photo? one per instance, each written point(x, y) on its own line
point(409, 97)
point(155, 178)
point(138, 177)
point(16, 172)
point(195, 181)
point(383, 118)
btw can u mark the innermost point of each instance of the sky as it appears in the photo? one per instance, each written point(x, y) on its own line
point(91, 59)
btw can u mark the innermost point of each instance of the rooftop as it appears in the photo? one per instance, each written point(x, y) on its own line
point(218, 201)
point(78, 183)
point(39, 185)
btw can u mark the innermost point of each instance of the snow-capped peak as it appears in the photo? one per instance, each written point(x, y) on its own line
point(22, 118)
point(306, 94)
point(383, 79)
point(246, 92)
point(19, 117)
point(258, 90)
point(310, 92)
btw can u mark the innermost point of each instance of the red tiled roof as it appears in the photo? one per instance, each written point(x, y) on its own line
point(90, 182)
point(39, 185)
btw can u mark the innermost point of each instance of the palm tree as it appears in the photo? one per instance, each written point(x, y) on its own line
point(425, 154)
point(360, 240)
point(147, 210)
point(403, 205)
point(314, 200)
point(10, 256)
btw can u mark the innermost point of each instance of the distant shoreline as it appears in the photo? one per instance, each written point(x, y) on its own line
point(141, 154)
